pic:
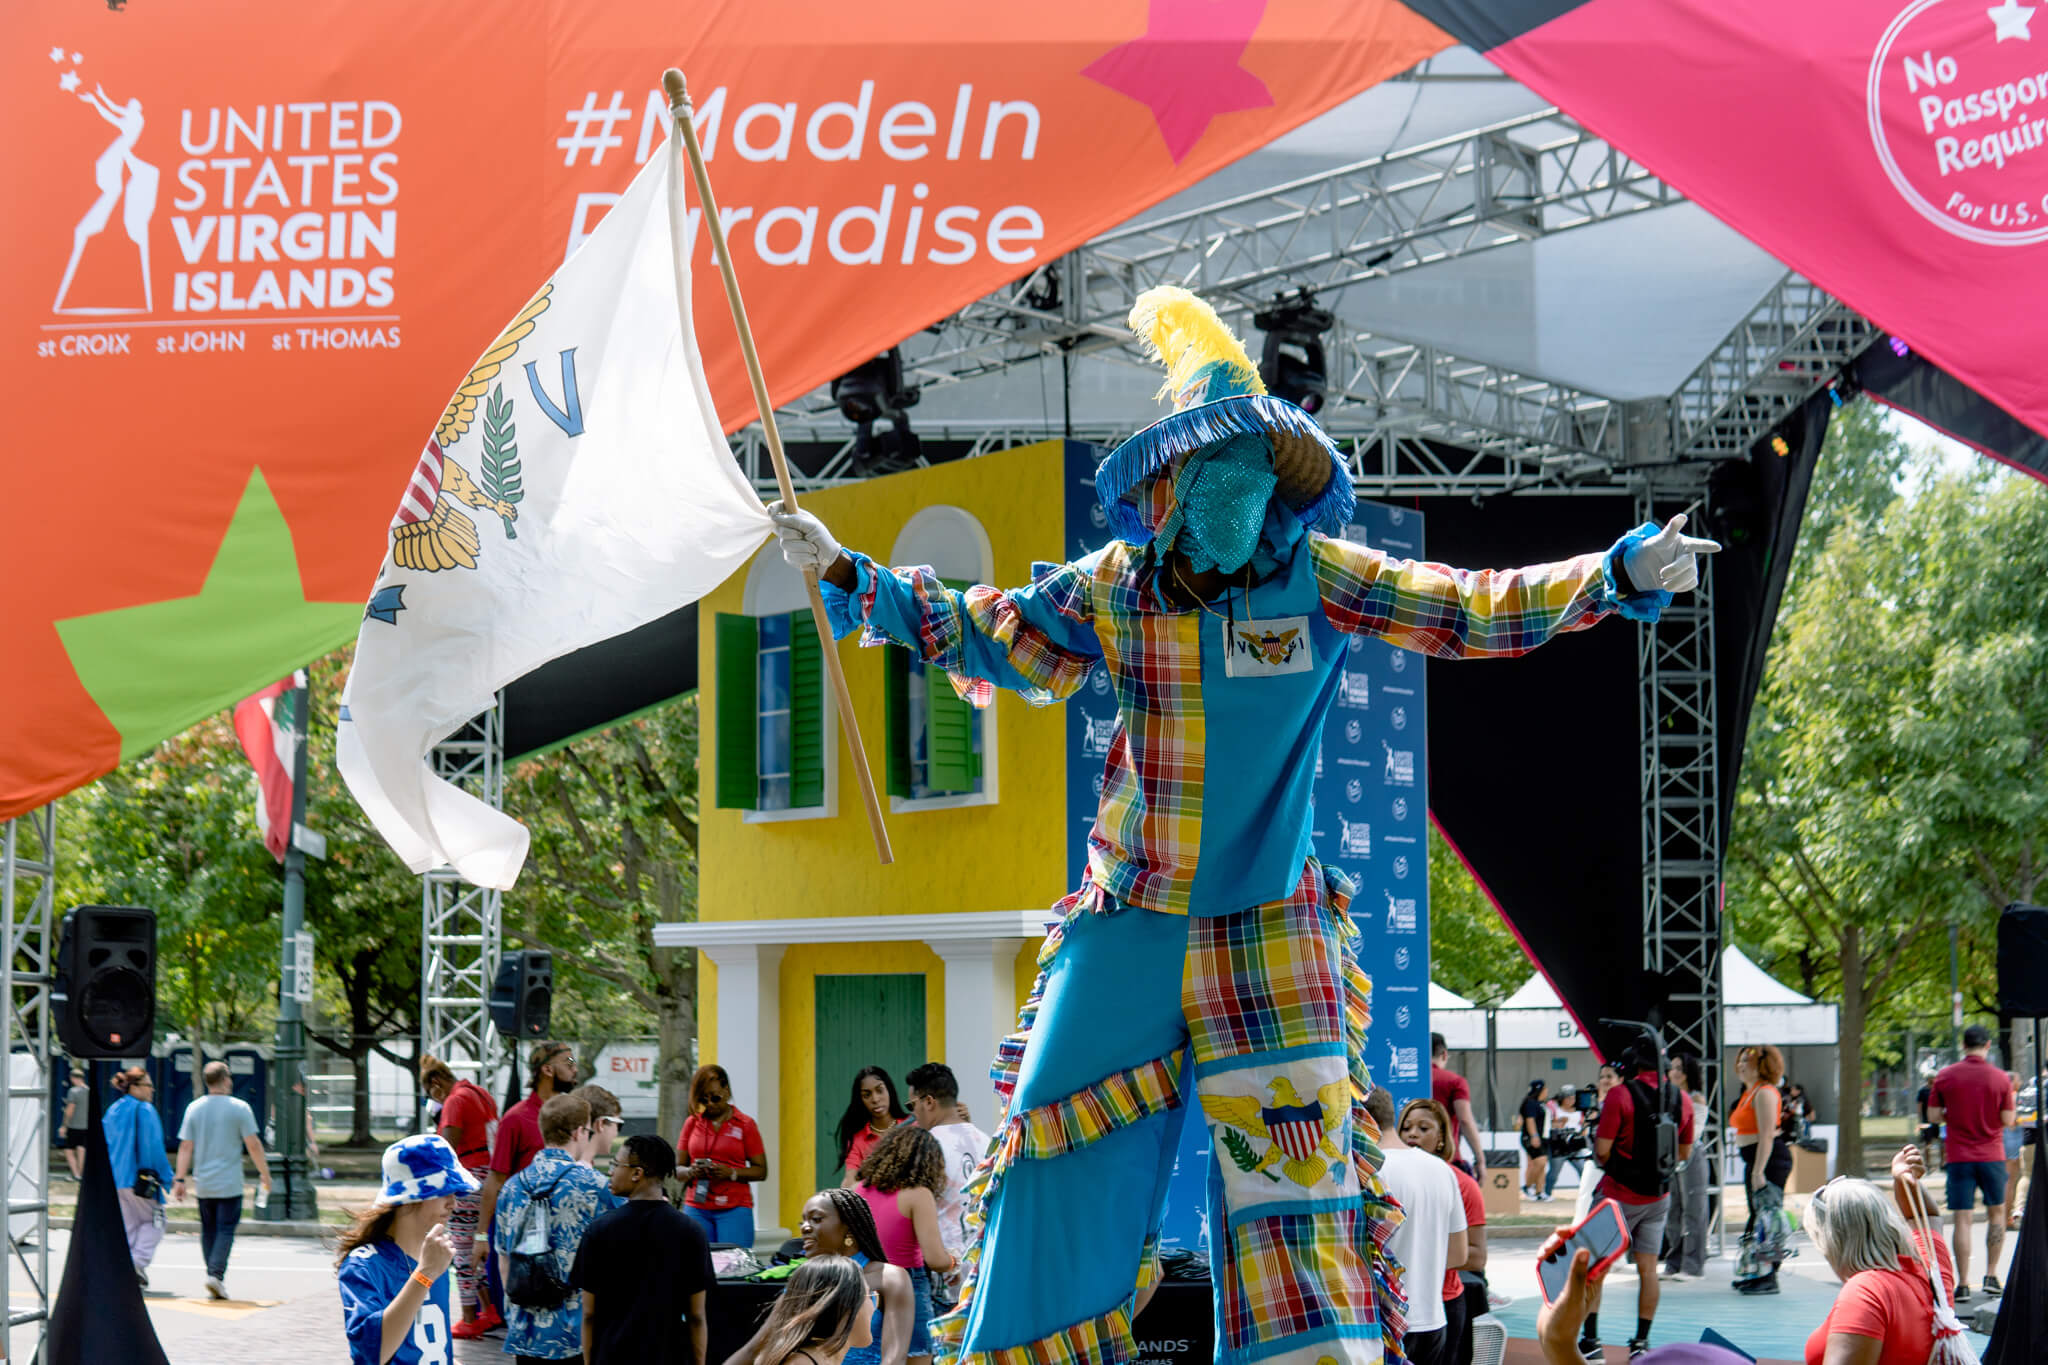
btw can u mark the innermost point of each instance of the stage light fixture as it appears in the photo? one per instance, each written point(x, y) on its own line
point(1900, 348)
point(1292, 363)
point(874, 392)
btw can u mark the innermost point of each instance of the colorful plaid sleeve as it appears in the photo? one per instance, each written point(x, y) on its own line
point(1037, 640)
point(1463, 613)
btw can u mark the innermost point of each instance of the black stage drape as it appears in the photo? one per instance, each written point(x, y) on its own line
point(98, 1314)
point(1535, 763)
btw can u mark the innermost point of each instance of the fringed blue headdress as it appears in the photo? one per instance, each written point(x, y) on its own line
point(1217, 397)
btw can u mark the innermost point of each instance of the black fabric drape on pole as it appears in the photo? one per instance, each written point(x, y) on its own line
point(97, 1314)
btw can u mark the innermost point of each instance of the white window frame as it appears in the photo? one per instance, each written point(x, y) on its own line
point(971, 557)
point(773, 588)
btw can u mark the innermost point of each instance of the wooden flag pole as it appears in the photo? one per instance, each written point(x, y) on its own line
point(679, 105)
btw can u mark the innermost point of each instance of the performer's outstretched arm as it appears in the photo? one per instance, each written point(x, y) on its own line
point(1038, 640)
point(1495, 613)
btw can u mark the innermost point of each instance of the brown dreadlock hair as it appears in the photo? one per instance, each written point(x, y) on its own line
point(860, 1221)
point(906, 1158)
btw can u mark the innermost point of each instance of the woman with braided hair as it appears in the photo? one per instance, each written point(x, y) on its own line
point(839, 1223)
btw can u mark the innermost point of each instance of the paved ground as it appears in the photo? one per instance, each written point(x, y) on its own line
point(286, 1309)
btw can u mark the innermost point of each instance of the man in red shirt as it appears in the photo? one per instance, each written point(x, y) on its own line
point(1624, 1144)
point(1449, 1089)
point(1975, 1099)
point(552, 1068)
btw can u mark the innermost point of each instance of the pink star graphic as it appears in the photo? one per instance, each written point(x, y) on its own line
point(1185, 67)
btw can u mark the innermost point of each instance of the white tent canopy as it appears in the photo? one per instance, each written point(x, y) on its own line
point(1758, 1009)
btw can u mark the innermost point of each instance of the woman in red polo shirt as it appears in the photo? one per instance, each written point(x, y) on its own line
point(1426, 1125)
point(719, 1152)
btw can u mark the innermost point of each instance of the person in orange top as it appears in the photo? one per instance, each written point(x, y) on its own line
point(1758, 1121)
point(1426, 1125)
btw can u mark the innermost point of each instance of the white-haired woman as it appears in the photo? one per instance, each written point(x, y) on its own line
point(1885, 1314)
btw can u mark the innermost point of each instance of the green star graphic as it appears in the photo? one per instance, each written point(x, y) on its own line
point(158, 668)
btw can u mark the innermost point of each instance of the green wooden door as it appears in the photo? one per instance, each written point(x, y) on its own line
point(862, 1021)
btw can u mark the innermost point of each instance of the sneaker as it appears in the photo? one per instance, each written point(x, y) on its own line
point(214, 1287)
point(1992, 1287)
point(1962, 1293)
point(1592, 1351)
point(1638, 1346)
point(486, 1320)
point(1767, 1285)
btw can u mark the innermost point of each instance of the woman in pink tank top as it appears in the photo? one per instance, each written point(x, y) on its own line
point(901, 1180)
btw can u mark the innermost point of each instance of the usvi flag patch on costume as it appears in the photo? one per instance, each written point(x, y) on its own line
point(1280, 1130)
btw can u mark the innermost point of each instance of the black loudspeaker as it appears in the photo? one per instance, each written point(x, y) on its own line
point(2023, 961)
point(104, 997)
point(523, 997)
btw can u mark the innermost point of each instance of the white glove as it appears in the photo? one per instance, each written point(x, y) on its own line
point(1667, 559)
point(806, 544)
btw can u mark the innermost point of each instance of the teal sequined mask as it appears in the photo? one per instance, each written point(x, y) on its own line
point(1218, 504)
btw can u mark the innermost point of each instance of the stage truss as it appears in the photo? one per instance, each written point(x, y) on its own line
point(462, 926)
point(28, 886)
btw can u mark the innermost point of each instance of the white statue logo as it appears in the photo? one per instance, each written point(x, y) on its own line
point(125, 180)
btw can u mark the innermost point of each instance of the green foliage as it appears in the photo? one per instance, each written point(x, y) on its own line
point(1891, 784)
point(1471, 949)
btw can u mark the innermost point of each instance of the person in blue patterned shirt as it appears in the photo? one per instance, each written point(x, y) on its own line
point(575, 1195)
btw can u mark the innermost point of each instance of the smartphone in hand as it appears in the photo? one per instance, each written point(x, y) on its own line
point(1603, 1233)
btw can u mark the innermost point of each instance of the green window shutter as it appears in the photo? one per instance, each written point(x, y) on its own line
point(806, 713)
point(737, 644)
point(896, 699)
point(951, 765)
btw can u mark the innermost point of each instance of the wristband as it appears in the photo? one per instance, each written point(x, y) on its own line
point(422, 1281)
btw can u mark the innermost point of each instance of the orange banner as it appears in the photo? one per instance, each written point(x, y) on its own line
point(252, 248)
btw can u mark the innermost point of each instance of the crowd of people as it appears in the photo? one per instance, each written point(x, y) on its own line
point(580, 1246)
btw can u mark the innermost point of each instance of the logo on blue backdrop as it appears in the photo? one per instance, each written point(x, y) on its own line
point(1396, 515)
point(1354, 790)
point(1401, 867)
point(1402, 957)
point(1403, 1063)
point(1353, 732)
point(1400, 768)
point(1098, 517)
point(1400, 718)
point(1403, 1017)
point(1354, 689)
point(1101, 733)
point(1400, 914)
point(1399, 661)
point(1400, 807)
point(1356, 839)
point(1098, 681)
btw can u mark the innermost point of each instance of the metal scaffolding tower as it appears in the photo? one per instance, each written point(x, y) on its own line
point(28, 886)
point(1681, 813)
point(462, 925)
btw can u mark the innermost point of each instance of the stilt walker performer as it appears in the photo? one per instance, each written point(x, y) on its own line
point(1207, 952)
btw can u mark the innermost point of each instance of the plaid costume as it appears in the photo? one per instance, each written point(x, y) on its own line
point(1207, 956)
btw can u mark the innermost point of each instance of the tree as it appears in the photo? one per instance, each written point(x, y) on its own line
point(614, 821)
point(1471, 949)
point(1892, 782)
point(174, 831)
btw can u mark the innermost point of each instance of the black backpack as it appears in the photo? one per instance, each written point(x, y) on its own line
point(1652, 1159)
point(530, 1277)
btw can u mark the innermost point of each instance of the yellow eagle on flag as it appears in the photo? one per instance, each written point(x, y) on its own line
point(430, 532)
point(1303, 1135)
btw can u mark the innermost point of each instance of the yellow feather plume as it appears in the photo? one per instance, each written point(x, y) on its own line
point(1182, 332)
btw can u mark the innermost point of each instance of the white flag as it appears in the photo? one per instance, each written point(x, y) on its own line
point(577, 486)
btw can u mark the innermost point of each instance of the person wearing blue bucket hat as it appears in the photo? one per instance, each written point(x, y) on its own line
point(392, 1263)
point(1207, 956)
